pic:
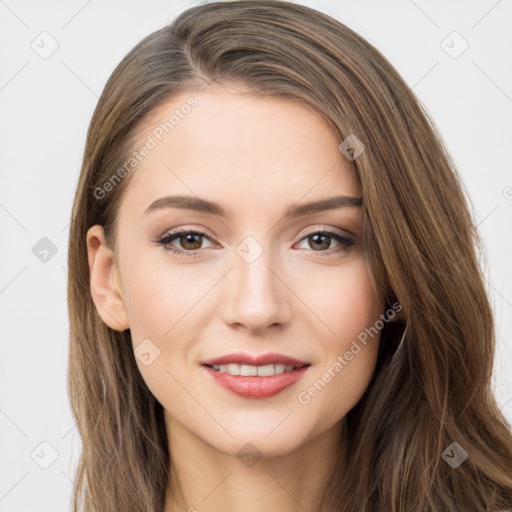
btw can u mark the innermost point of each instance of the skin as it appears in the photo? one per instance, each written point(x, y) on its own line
point(271, 153)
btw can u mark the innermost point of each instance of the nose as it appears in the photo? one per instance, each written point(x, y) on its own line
point(257, 295)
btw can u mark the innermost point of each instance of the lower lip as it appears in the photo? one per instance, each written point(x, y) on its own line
point(256, 387)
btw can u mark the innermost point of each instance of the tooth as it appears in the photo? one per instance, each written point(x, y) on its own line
point(233, 369)
point(278, 368)
point(265, 371)
point(248, 371)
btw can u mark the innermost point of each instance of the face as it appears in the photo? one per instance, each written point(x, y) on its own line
point(249, 277)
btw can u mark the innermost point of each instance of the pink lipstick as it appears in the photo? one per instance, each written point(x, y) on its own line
point(255, 376)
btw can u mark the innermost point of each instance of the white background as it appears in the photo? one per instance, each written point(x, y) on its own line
point(46, 106)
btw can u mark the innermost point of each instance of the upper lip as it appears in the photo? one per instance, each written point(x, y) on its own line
point(262, 360)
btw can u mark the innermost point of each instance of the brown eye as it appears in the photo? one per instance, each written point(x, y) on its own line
point(189, 242)
point(321, 241)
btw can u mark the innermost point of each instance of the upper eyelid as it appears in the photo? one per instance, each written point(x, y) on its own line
point(329, 230)
point(186, 231)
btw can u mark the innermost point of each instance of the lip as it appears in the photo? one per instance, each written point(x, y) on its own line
point(262, 360)
point(256, 386)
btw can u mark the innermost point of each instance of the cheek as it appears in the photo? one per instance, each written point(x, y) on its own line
point(350, 309)
point(159, 295)
point(342, 298)
point(159, 299)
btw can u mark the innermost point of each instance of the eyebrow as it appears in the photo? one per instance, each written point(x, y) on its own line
point(298, 210)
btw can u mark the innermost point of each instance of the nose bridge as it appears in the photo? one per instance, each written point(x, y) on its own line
point(256, 297)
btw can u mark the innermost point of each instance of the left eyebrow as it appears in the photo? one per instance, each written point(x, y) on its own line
point(298, 210)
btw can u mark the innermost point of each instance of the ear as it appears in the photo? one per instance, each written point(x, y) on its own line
point(105, 281)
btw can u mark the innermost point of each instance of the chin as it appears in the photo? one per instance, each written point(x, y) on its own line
point(265, 440)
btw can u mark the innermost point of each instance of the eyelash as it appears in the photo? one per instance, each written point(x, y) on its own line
point(345, 242)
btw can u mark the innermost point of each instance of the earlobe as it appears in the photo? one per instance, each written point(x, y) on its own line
point(104, 281)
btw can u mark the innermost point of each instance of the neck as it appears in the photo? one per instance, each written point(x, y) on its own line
point(207, 480)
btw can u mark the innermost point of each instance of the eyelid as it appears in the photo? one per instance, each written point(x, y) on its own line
point(341, 232)
point(195, 228)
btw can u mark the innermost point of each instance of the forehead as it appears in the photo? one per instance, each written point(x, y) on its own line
point(238, 149)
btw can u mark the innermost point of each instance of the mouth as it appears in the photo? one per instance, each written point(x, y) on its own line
point(255, 376)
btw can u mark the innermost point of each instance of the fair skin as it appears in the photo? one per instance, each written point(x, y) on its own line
point(255, 157)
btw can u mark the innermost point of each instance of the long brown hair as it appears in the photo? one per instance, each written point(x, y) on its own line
point(432, 384)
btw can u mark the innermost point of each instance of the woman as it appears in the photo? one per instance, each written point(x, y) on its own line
point(275, 299)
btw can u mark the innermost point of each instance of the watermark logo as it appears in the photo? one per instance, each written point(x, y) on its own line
point(249, 249)
point(454, 455)
point(454, 45)
point(44, 250)
point(352, 147)
point(44, 455)
point(249, 455)
point(45, 45)
point(146, 352)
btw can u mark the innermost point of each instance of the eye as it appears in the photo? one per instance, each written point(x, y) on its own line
point(321, 240)
point(190, 242)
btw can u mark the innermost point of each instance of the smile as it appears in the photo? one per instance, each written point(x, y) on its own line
point(255, 377)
